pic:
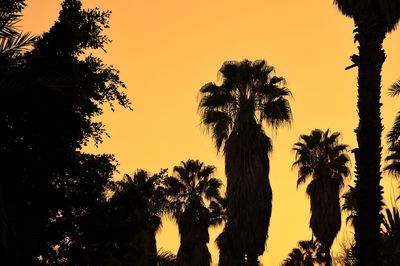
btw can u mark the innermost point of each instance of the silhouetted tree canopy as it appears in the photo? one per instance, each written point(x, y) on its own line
point(122, 231)
point(50, 97)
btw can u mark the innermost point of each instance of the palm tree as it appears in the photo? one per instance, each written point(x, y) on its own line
point(122, 231)
point(189, 192)
point(373, 20)
point(307, 253)
point(234, 112)
point(149, 202)
point(391, 237)
point(322, 158)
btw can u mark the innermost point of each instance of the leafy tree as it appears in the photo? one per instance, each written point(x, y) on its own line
point(50, 97)
point(322, 158)
point(373, 20)
point(234, 112)
point(190, 191)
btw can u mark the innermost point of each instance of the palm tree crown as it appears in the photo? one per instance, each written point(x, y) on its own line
point(248, 94)
point(389, 10)
point(319, 156)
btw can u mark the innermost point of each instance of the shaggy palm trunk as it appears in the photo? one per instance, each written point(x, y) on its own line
point(249, 194)
point(325, 219)
point(193, 229)
point(142, 250)
point(371, 33)
point(226, 257)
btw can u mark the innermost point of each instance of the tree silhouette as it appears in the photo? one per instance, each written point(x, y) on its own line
point(322, 158)
point(234, 112)
point(391, 237)
point(122, 231)
point(349, 204)
point(189, 191)
point(50, 97)
point(373, 20)
point(308, 253)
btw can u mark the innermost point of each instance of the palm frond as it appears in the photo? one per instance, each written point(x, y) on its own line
point(277, 112)
point(166, 258)
point(394, 133)
point(16, 45)
point(394, 90)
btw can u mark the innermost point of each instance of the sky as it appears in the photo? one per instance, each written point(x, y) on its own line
point(166, 50)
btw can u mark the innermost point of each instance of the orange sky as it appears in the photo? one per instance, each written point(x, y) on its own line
point(166, 50)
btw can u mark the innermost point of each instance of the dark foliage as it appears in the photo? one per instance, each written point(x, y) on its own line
point(308, 253)
point(122, 231)
point(50, 96)
point(195, 204)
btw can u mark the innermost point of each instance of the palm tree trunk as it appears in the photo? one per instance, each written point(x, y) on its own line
point(328, 258)
point(371, 34)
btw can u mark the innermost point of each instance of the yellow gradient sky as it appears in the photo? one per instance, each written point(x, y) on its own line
point(166, 50)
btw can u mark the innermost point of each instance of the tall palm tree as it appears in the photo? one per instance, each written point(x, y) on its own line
point(234, 112)
point(195, 204)
point(373, 20)
point(322, 158)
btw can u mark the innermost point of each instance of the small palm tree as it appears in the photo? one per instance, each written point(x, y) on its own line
point(349, 204)
point(322, 158)
point(122, 231)
point(143, 198)
point(234, 112)
point(308, 253)
point(391, 237)
point(393, 159)
point(195, 204)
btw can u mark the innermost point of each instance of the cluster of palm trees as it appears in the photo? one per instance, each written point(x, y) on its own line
point(191, 196)
point(238, 112)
